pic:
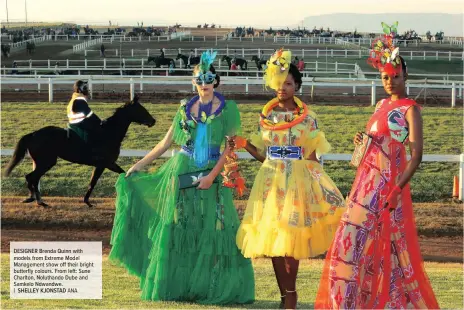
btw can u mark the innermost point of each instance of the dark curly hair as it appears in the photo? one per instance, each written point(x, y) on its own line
point(296, 74)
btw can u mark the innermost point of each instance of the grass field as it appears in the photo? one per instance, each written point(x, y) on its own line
point(120, 290)
point(443, 132)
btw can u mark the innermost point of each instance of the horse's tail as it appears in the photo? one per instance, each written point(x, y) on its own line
point(19, 153)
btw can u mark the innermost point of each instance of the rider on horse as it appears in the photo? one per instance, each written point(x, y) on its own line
point(162, 52)
point(82, 120)
point(191, 55)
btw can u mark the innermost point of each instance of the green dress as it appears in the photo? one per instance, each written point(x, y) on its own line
point(181, 243)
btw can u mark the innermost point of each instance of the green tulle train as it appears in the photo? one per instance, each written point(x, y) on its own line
point(181, 243)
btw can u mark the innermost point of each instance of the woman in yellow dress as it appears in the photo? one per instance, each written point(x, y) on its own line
point(294, 207)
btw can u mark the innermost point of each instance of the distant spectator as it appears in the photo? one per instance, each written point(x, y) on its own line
point(15, 65)
point(57, 68)
point(171, 67)
point(301, 65)
point(102, 50)
point(233, 66)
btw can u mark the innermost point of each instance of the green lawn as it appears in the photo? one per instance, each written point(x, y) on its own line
point(120, 290)
point(443, 132)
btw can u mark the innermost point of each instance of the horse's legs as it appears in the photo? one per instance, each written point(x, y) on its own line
point(33, 179)
point(114, 167)
point(30, 187)
point(96, 174)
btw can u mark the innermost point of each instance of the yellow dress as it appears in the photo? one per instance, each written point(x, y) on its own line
point(294, 207)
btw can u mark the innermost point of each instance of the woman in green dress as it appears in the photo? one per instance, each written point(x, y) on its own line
point(175, 228)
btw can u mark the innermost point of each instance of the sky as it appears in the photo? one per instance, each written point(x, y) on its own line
point(256, 13)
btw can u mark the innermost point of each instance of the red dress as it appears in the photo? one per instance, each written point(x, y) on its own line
point(375, 260)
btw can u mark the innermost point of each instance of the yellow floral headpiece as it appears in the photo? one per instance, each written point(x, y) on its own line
point(277, 69)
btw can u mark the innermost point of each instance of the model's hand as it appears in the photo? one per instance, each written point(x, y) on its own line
point(392, 199)
point(236, 142)
point(134, 168)
point(204, 182)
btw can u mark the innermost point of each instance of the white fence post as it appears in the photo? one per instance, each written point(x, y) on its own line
point(373, 94)
point(453, 95)
point(132, 54)
point(104, 63)
point(67, 63)
point(461, 177)
point(50, 90)
point(246, 85)
point(131, 88)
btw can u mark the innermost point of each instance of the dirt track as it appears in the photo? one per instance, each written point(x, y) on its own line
point(69, 220)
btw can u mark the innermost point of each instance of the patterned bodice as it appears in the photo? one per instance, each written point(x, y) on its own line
point(389, 119)
point(304, 134)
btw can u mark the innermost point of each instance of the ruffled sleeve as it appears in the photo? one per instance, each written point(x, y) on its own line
point(179, 136)
point(257, 140)
point(232, 123)
point(316, 140)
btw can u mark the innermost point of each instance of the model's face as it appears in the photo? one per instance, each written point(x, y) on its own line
point(287, 89)
point(393, 84)
point(204, 83)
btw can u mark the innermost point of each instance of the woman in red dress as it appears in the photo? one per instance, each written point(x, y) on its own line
point(374, 260)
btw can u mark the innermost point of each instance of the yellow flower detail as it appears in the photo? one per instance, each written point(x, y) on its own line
point(203, 116)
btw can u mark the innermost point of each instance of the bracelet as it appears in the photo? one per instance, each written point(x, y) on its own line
point(240, 142)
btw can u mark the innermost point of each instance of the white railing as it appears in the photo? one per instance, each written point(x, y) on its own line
point(327, 157)
point(84, 45)
point(456, 88)
point(107, 64)
point(23, 44)
point(331, 40)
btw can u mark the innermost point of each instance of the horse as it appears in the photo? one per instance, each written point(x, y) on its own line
point(193, 60)
point(259, 63)
point(158, 61)
point(49, 143)
point(238, 61)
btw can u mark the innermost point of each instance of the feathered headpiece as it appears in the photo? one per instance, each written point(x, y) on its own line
point(277, 69)
point(206, 59)
point(384, 55)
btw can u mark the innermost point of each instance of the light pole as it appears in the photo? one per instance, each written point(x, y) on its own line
point(7, 20)
point(25, 9)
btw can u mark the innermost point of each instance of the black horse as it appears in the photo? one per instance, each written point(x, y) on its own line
point(159, 61)
point(48, 144)
point(259, 63)
point(238, 61)
point(193, 61)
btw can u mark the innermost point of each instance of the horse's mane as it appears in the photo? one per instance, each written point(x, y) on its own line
point(117, 111)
